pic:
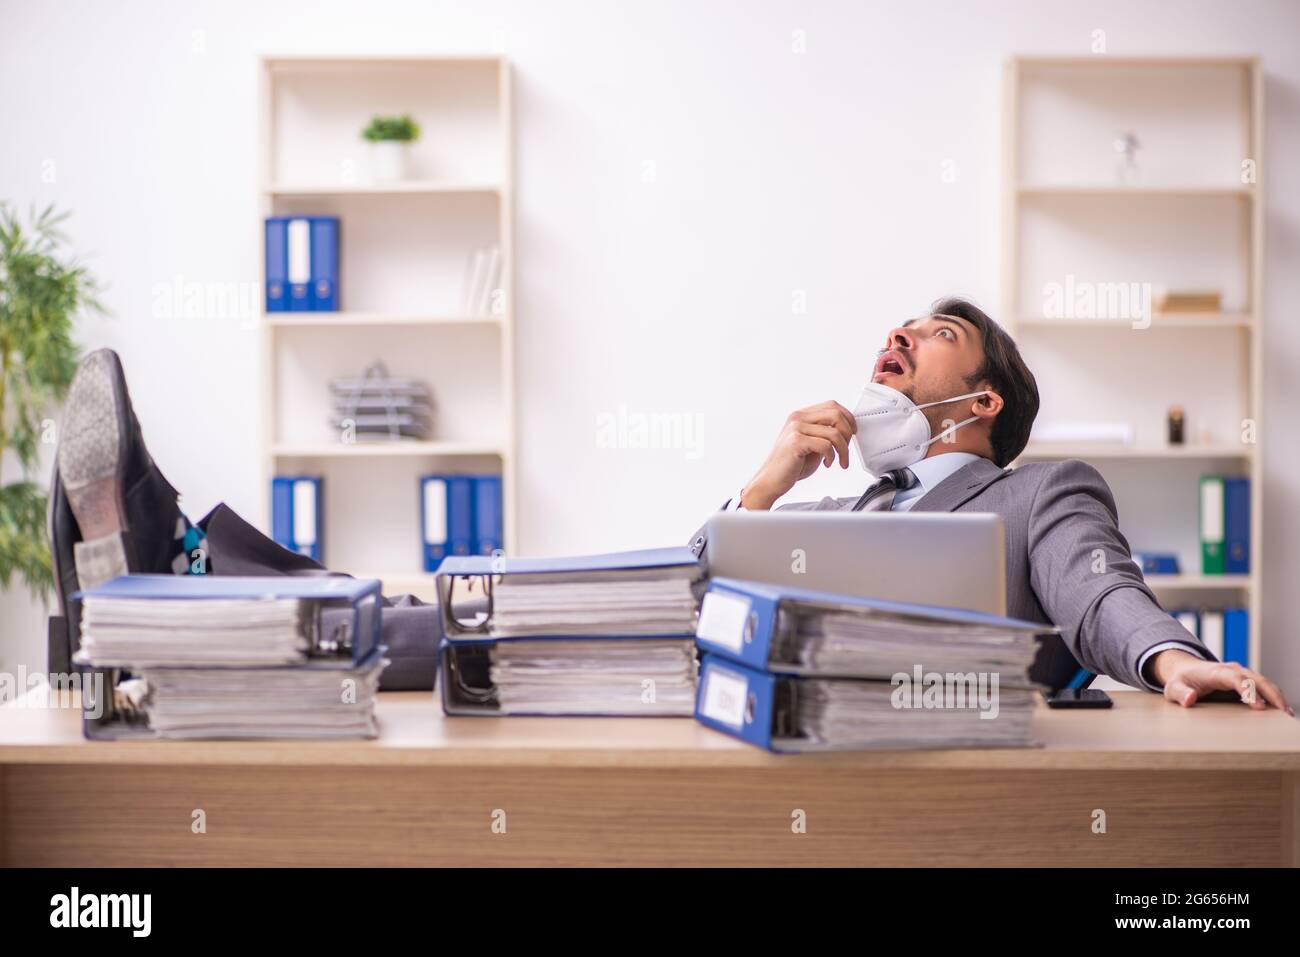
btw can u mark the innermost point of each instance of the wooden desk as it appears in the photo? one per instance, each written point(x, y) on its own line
point(1212, 786)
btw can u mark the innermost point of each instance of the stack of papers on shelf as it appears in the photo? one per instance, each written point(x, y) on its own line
point(643, 677)
point(308, 702)
point(482, 283)
point(594, 635)
point(377, 406)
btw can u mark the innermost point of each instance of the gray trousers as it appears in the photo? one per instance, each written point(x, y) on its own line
point(410, 627)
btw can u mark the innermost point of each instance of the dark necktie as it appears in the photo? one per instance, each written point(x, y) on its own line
point(880, 497)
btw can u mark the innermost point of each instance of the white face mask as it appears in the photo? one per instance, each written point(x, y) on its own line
point(892, 432)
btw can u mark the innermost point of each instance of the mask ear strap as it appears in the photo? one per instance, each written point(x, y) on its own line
point(955, 398)
point(953, 428)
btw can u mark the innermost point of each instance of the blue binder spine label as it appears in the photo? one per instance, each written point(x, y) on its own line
point(723, 619)
point(723, 697)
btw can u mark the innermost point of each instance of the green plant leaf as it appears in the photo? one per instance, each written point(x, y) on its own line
point(24, 551)
point(42, 291)
point(396, 128)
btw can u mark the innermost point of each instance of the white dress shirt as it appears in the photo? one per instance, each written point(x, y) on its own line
point(929, 473)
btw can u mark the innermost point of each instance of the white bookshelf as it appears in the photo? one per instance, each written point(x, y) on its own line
point(1186, 221)
point(404, 250)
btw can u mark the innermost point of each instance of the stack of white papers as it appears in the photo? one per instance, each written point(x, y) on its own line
point(882, 645)
point(479, 296)
point(635, 677)
point(833, 713)
point(621, 606)
point(325, 700)
point(138, 632)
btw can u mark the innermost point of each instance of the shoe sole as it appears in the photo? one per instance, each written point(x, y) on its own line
point(90, 461)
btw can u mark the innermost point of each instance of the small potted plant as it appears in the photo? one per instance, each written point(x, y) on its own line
point(390, 138)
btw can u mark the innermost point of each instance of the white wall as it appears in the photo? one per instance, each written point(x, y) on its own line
point(681, 173)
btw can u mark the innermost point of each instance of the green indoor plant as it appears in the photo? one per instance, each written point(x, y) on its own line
point(41, 293)
point(390, 137)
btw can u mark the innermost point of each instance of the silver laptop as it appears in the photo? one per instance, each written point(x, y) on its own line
point(933, 558)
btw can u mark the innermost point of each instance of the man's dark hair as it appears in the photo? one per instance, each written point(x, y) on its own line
point(1007, 375)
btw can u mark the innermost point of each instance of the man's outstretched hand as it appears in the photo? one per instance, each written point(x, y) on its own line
point(1187, 679)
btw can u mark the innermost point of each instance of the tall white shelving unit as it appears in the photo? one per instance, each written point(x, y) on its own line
point(404, 249)
point(1191, 219)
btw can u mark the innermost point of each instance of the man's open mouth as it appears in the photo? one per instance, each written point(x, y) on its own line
point(890, 362)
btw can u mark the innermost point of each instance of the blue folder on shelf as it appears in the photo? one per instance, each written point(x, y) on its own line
point(757, 625)
point(446, 518)
point(487, 514)
point(1236, 636)
point(1157, 563)
point(277, 264)
point(324, 257)
point(296, 507)
point(1236, 525)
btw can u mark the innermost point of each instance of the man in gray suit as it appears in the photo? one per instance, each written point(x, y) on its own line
point(1067, 561)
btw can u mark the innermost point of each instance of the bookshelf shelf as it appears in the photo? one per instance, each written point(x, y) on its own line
point(405, 187)
point(386, 450)
point(1185, 217)
point(1199, 582)
point(1086, 451)
point(1189, 192)
point(346, 319)
point(1159, 320)
point(405, 249)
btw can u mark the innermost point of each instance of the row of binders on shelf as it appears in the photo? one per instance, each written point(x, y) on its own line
point(784, 668)
point(1225, 525)
point(459, 515)
point(302, 264)
point(1224, 531)
point(302, 269)
point(186, 657)
point(1225, 632)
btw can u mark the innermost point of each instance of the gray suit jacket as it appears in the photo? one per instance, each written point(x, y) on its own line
point(1067, 561)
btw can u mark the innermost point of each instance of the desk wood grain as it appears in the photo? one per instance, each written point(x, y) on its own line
point(1215, 785)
